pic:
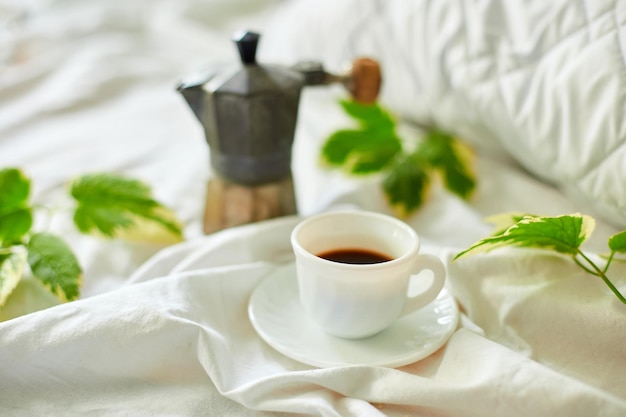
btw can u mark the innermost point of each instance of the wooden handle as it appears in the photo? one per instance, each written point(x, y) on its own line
point(366, 80)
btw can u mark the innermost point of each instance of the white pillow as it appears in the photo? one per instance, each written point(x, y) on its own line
point(543, 80)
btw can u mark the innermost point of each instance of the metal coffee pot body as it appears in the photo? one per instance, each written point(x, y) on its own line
point(249, 113)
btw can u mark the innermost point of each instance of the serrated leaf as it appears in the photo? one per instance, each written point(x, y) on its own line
point(563, 234)
point(152, 228)
point(452, 158)
point(12, 266)
point(52, 262)
point(617, 242)
point(16, 217)
point(406, 186)
point(119, 207)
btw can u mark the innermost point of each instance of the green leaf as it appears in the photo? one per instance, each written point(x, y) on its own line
point(372, 117)
point(372, 156)
point(503, 221)
point(338, 146)
point(16, 217)
point(12, 266)
point(52, 262)
point(361, 152)
point(115, 206)
point(452, 158)
point(617, 242)
point(406, 186)
point(14, 225)
point(563, 234)
point(368, 149)
point(14, 188)
point(375, 146)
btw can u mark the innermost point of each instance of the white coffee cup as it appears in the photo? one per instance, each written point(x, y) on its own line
point(358, 300)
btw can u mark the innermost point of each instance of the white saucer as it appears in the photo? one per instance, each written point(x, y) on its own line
point(278, 317)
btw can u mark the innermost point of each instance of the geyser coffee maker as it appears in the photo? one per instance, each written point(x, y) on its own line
point(249, 114)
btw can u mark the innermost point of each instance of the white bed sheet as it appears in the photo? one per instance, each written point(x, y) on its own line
point(163, 331)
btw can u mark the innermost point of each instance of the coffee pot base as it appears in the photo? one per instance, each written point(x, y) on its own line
point(232, 204)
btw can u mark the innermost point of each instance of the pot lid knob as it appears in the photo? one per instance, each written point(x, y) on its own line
point(247, 43)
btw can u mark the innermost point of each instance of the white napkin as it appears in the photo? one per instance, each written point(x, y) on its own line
point(179, 342)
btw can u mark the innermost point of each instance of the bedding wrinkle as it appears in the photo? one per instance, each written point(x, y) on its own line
point(619, 24)
point(521, 301)
point(507, 90)
point(358, 385)
point(364, 23)
point(410, 30)
point(568, 114)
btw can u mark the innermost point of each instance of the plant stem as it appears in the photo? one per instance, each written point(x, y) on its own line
point(601, 274)
point(608, 262)
point(584, 267)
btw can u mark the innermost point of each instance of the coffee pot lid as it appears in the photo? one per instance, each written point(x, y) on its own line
point(252, 78)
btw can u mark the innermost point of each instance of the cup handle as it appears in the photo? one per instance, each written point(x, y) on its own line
point(420, 300)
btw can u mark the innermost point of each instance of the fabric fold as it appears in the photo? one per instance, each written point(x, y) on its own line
point(188, 332)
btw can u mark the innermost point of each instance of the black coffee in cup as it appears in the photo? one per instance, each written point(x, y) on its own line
point(355, 256)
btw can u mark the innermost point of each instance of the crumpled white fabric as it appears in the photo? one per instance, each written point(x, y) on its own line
point(177, 341)
point(165, 333)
